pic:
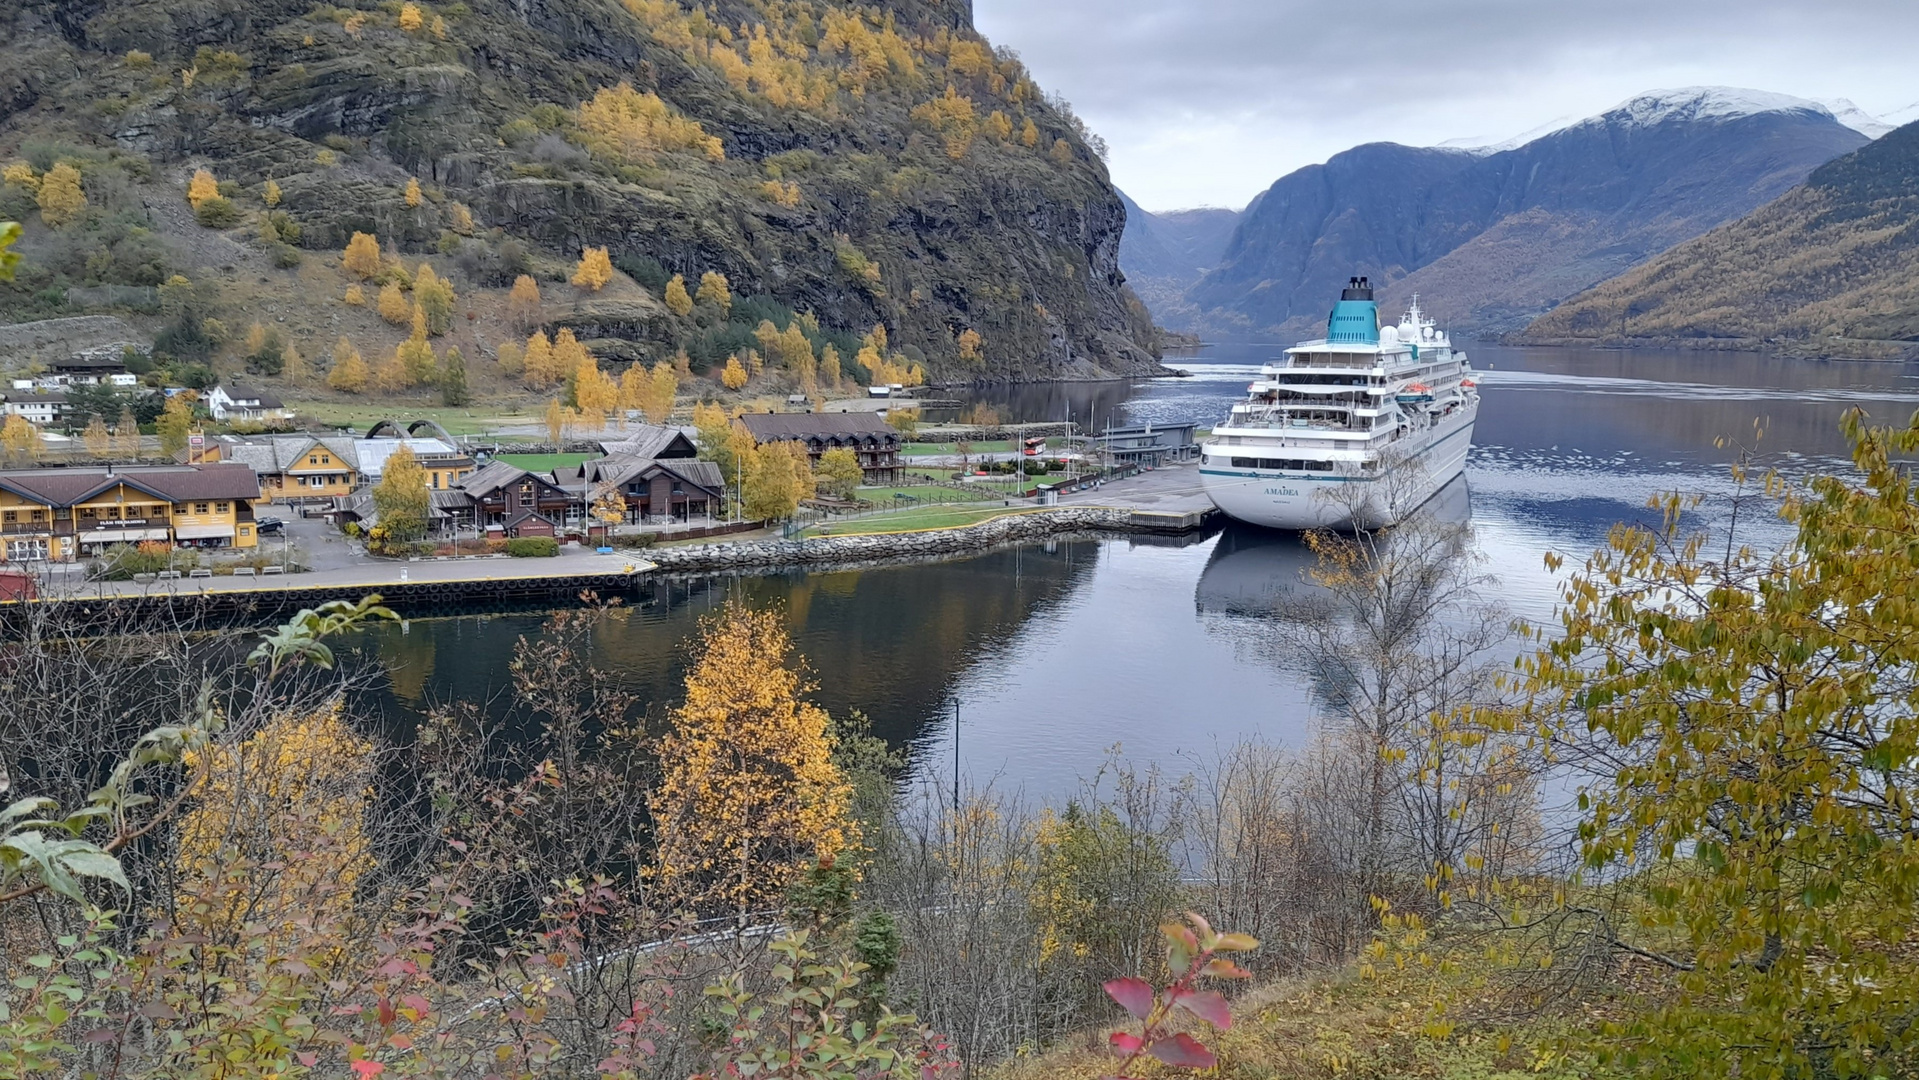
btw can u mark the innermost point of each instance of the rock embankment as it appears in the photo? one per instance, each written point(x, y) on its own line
point(845, 549)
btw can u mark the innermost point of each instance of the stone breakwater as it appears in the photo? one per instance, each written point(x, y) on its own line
point(1032, 525)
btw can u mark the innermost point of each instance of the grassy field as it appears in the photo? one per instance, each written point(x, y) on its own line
point(883, 496)
point(544, 462)
point(932, 448)
point(930, 517)
point(460, 421)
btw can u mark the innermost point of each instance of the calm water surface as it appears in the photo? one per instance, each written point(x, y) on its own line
point(1052, 654)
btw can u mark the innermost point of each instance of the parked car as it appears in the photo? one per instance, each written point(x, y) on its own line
point(267, 526)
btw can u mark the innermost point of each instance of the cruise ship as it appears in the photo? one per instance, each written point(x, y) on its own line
point(1352, 431)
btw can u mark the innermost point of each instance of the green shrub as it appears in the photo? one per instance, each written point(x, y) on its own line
point(286, 256)
point(533, 547)
point(217, 213)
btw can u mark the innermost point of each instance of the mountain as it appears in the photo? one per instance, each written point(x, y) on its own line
point(1492, 240)
point(1830, 269)
point(865, 163)
point(1163, 254)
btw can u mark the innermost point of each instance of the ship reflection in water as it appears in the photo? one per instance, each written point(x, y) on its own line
point(1262, 573)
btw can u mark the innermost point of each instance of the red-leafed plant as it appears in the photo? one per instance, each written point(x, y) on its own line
point(1192, 954)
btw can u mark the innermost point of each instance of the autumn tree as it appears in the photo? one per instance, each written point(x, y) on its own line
point(559, 421)
point(401, 498)
point(715, 292)
point(830, 367)
point(435, 297)
point(175, 425)
point(412, 193)
point(293, 366)
point(733, 375)
point(904, 421)
point(391, 376)
point(748, 794)
point(238, 818)
point(453, 387)
point(595, 269)
point(349, 373)
point(971, 346)
point(778, 481)
point(126, 436)
point(271, 194)
point(362, 257)
point(20, 439)
point(1029, 134)
point(1747, 718)
point(412, 20)
point(676, 299)
point(595, 392)
point(511, 356)
point(663, 386)
point(523, 303)
point(61, 198)
point(355, 295)
point(538, 362)
point(568, 356)
point(609, 505)
point(627, 126)
point(97, 439)
point(202, 188)
point(393, 305)
point(840, 474)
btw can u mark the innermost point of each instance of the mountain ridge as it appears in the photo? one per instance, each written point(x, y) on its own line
point(871, 166)
point(1492, 240)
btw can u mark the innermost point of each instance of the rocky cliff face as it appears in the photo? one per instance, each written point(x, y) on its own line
point(1830, 269)
point(1491, 240)
point(1164, 254)
point(873, 164)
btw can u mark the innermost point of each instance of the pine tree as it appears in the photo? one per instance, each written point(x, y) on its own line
point(523, 303)
point(453, 389)
point(349, 373)
point(716, 292)
point(362, 258)
point(676, 299)
point(748, 794)
point(97, 439)
point(126, 436)
point(595, 269)
point(61, 198)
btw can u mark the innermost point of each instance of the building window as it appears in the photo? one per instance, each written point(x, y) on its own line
point(223, 508)
point(39, 515)
point(10, 517)
point(199, 508)
point(313, 459)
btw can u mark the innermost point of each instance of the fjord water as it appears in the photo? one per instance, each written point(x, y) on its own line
point(1052, 653)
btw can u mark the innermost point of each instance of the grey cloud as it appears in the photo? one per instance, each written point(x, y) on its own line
point(1289, 82)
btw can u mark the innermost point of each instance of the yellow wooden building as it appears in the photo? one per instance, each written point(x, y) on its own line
point(60, 514)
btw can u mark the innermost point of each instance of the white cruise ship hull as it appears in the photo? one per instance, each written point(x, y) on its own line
point(1279, 499)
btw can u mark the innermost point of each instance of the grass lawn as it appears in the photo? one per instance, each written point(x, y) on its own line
point(544, 462)
point(930, 517)
point(929, 449)
point(883, 496)
point(464, 420)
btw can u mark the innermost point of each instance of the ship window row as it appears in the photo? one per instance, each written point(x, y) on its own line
point(1294, 464)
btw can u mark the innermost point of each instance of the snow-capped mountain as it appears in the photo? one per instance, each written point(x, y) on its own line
point(1492, 236)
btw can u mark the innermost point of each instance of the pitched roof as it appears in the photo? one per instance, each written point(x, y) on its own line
point(652, 441)
point(491, 477)
point(624, 469)
point(767, 427)
point(174, 483)
point(238, 393)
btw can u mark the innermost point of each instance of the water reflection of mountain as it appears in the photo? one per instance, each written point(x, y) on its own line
point(887, 641)
point(1259, 572)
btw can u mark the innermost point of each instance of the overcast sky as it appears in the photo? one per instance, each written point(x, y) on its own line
point(1207, 102)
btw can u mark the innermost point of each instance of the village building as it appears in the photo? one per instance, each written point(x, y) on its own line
point(60, 514)
point(233, 402)
point(656, 491)
point(875, 442)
